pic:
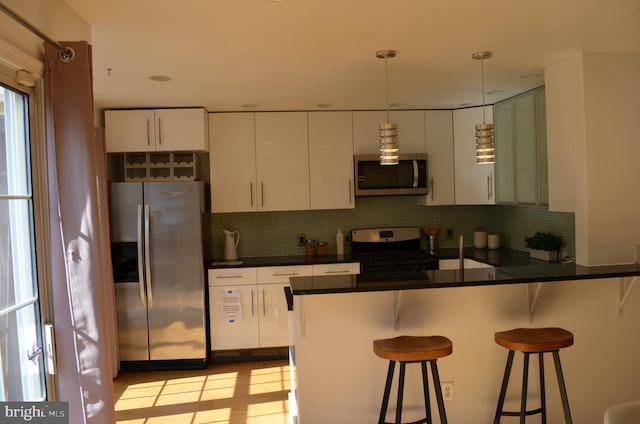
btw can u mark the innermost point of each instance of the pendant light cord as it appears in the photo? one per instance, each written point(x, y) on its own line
point(386, 78)
point(483, 107)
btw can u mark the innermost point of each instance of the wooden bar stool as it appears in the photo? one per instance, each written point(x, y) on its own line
point(408, 349)
point(528, 341)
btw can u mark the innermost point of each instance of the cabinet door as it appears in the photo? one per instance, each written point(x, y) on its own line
point(282, 161)
point(273, 319)
point(474, 182)
point(232, 162)
point(525, 149)
point(505, 165)
point(541, 122)
point(331, 160)
point(129, 130)
point(234, 331)
point(181, 129)
point(439, 134)
point(411, 135)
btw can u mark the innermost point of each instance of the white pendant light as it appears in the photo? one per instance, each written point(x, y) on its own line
point(388, 131)
point(485, 141)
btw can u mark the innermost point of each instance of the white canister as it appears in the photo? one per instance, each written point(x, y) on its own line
point(479, 239)
point(493, 241)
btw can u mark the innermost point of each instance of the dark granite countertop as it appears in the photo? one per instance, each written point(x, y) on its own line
point(509, 267)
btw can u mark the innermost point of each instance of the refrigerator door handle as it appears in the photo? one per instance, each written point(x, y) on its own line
point(143, 301)
point(147, 256)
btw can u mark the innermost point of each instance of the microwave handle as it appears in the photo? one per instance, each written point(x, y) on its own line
point(415, 174)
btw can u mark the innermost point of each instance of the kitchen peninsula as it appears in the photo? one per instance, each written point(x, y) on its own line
point(334, 320)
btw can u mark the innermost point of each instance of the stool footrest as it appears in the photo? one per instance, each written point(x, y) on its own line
point(422, 421)
point(517, 414)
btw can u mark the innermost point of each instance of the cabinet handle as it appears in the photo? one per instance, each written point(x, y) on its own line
point(489, 191)
point(252, 311)
point(431, 181)
point(159, 131)
point(148, 132)
point(251, 192)
point(262, 192)
point(264, 305)
point(349, 191)
point(341, 271)
point(285, 274)
point(228, 276)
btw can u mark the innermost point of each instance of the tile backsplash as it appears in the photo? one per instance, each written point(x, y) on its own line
point(274, 233)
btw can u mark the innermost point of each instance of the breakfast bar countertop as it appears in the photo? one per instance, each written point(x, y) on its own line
point(507, 267)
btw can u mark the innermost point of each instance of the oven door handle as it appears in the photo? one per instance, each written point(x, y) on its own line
point(415, 174)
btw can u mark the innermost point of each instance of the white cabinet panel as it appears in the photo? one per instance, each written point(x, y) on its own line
point(241, 332)
point(233, 162)
point(439, 134)
point(232, 276)
point(273, 320)
point(411, 136)
point(282, 161)
point(337, 268)
point(331, 160)
point(148, 130)
point(130, 130)
point(474, 183)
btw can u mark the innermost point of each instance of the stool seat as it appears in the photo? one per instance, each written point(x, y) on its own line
point(413, 348)
point(417, 349)
point(534, 340)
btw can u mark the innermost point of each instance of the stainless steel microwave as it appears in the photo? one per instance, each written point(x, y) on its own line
point(409, 177)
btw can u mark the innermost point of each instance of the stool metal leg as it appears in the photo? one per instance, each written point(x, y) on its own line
point(543, 400)
point(563, 389)
point(525, 381)
point(438, 389)
point(400, 393)
point(387, 391)
point(503, 390)
point(425, 385)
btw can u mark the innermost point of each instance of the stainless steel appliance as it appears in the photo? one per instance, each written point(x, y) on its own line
point(409, 177)
point(158, 273)
point(394, 249)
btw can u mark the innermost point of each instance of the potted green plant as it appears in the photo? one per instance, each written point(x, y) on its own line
point(544, 246)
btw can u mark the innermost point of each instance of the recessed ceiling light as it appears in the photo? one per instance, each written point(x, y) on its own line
point(324, 105)
point(397, 104)
point(531, 76)
point(160, 78)
point(249, 105)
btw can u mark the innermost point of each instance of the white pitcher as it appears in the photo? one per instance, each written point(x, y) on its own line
point(231, 240)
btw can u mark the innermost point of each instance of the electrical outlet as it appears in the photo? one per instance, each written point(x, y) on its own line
point(449, 233)
point(448, 390)
point(301, 239)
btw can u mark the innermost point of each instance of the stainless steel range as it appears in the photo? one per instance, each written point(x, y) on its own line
point(394, 249)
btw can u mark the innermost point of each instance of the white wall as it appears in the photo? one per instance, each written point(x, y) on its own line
point(340, 379)
point(594, 146)
point(53, 17)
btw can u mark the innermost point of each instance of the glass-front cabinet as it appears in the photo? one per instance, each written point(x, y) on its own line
point(521, 149)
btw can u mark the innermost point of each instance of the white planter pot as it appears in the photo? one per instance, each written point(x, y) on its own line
point(545, 255)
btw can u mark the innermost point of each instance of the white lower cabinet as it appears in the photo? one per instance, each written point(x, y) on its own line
point(248, 308)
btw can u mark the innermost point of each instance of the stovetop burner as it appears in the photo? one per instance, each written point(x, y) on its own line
point(390, 250)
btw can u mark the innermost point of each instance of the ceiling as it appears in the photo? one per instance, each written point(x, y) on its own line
point(231, 55)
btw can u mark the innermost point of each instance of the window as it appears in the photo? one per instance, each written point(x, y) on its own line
point(21, 362)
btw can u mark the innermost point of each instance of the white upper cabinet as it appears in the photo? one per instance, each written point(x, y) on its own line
point(331, 160)
point(411, 136)
point(282, 161)
point(474, 183)
point(439, 134)
point(149, 130)
point(233, 162)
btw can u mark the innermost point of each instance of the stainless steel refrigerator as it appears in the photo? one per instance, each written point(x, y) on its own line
point(158, 273)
